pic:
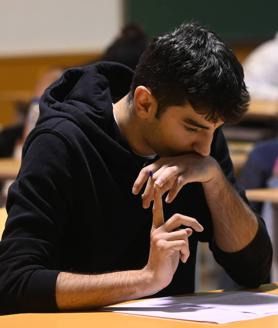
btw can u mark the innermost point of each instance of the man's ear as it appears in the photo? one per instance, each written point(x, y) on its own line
point(145, 103)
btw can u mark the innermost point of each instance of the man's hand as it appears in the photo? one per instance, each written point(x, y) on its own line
point(172, 173)
point(168, 244)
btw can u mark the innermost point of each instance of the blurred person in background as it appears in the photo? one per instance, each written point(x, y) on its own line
point(261, 77)
point(127, 47)
point(259, 171)
point(259, 167)
point(261, 71)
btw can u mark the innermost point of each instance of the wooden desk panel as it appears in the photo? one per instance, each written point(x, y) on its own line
point(117, 320)
point(263, 195)
point(9, 168)
point(3, 217)
point(263, 108)
point(238, 161)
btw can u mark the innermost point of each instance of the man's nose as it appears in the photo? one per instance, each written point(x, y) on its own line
point(203, 146)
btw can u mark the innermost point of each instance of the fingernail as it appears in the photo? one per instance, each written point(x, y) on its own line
point(145, 206)
point(189, 233)
point(183, 259)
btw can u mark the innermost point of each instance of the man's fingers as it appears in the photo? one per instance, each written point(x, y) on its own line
point(158, 215)
point(185, 252)
point(175, 235)
point(147, 196)
point(176, 240)
point(166, 176)
point(180, 246)
point(141, 180)
point(178, 220)
point(177, 186)
point(180, 181)
point(176, 245)
point(161, 175)
point(143, 177)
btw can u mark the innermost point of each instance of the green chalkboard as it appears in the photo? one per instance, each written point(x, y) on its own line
point(234, 20)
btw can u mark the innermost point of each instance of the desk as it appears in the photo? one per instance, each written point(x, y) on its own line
point(3, 217)
point(9, 168)
point(239, 152)
point(270, 215)
point(263, 195)
point(263, 109)
point(238, 161)
point(117, 320)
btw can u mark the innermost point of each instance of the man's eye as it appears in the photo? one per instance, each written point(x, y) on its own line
point(191, 129)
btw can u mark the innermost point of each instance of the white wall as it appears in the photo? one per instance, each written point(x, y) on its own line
point(57, 26)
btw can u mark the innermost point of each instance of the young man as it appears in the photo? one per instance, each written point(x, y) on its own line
point(82, 230)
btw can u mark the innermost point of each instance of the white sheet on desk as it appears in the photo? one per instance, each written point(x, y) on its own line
point(215, 307)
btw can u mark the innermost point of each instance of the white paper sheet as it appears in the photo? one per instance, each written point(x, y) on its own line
point(214, 307)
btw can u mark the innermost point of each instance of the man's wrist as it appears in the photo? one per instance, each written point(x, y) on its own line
point(150, 284)
point(215, 173)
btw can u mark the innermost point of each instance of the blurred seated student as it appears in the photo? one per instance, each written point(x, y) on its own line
point(258, 172)
point(261, 77)
point(127, 47)
point(33, 113)
point(261, 71)
point(12, 138)
point(9, 135)
point(259, 167)
point(8, 139)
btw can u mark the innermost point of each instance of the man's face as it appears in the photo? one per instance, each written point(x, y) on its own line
point(180, 130)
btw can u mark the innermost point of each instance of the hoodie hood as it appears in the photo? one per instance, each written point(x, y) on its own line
point(85, 95)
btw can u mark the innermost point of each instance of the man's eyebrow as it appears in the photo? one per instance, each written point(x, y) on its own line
point(197, 124)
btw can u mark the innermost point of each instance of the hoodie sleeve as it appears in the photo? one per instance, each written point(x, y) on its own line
point(37, 209)
point(250, 266)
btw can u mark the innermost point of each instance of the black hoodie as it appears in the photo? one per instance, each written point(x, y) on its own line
point(71, 207)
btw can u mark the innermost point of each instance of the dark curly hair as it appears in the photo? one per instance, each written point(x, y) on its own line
point(192, 65)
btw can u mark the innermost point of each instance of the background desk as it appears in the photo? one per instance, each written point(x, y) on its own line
point(263, 195)
point(3, 217)
point(263, 108)
point(9, 168)
point(116, 320)
point(269, 196)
